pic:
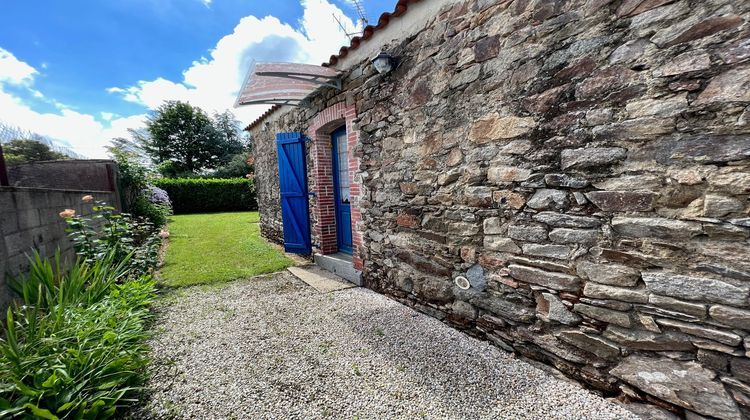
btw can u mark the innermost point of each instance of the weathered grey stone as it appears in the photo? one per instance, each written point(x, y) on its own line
point(494, 226)
point(493, 127)
point(662, 107)
point(591, 157)
point(574, 236)
point(650, 412)
point(686, 384)
point(552, 280)
point(476, 278)
point(684, 63)
point(527, 233)
point(693, 309)
point(730, 86)
point(550, 308)
point(733, 317)
point(563, 180)
point(545, 198)
point(611, 304)
point(698, 148)
point(561, 252)
point(433, 289)
point(466, 76)
point(602, 314)
point(566, 220)
point(714, 360)
point(507, 174)
point(504, 308)
point(655, 227)
point(740, 367)
point(500, 243)
point(715, 205)
point(590, 343)
point(647, 340)
point(648, 322)
point(702, 343)
point(696, 288)
point(464, 309)
point(724, 337)
point(508, 199)
point(601, 291)
point(612, 274)
point(629, 51)
point(622, 200)
point(630, 183)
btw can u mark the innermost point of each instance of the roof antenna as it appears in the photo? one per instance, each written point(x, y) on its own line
point(361, 18)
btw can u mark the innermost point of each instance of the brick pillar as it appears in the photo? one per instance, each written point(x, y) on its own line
point(320, 132)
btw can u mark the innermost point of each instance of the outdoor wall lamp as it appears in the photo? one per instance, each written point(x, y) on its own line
point(384, 63)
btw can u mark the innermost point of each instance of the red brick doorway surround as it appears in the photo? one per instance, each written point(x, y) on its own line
point(319, 132)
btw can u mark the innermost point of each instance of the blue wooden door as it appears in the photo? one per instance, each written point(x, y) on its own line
point(340, 154)
point(293, 189)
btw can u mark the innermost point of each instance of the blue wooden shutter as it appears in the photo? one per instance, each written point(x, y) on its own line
point(293, 189)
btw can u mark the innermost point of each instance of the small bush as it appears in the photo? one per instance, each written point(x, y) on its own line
point(76, 348)
point(105, 231)
point(201, 195)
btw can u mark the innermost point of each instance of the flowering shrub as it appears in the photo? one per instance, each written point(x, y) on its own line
point(158, 196)
point(105, 231)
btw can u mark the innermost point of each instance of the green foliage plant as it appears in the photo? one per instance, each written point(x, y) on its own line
point(206, 195)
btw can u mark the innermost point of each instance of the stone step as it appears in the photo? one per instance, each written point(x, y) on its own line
point(319, 279)
point(341, 265)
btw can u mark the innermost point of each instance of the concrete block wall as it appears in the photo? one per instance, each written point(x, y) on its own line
point(29, 219)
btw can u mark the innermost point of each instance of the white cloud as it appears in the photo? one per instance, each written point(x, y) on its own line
point(213, 82)
point(13, 71)
point(82, 132)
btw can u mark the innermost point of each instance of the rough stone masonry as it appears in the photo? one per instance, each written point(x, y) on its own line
point(586, 165)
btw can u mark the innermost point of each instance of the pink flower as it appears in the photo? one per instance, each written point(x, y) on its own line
point(87, 198)
point(163, 234)
point(67, 213)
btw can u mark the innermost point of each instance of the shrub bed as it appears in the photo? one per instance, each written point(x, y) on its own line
point(75, 345)
point(206, 195)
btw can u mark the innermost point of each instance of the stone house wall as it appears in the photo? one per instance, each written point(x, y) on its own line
point(585, 165)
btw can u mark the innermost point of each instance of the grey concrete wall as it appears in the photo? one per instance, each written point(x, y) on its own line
point(29, 219)
point(89, 174)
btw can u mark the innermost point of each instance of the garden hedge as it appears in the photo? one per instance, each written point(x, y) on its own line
point(205, 195)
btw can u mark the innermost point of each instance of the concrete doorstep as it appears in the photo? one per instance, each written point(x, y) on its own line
point(319, 279)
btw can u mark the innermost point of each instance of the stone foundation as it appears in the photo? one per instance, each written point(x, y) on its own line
point(585, 165)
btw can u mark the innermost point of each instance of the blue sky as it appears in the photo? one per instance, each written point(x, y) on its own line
point(85, 71)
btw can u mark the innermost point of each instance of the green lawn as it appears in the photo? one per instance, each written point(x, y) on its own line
point(217, 247)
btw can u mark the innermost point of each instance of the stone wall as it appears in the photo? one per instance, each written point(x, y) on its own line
point(29, 219)
point(586, 166)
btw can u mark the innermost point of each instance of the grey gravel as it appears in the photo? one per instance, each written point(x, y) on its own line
point(273, 347)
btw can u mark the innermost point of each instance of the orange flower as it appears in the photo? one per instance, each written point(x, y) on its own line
point(87, 198)
point(163, 234)
point(67, 213)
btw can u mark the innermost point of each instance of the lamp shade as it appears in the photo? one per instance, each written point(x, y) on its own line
point(383, 62)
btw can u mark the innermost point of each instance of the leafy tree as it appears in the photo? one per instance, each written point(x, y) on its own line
point(189, 139)
point(239, 166)
point(24, 150)
point(233, 136)
point(134, 147)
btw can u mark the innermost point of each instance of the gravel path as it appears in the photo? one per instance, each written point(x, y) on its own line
point(273, 347)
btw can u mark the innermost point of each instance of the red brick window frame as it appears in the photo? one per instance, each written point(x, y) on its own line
point(319, 132)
